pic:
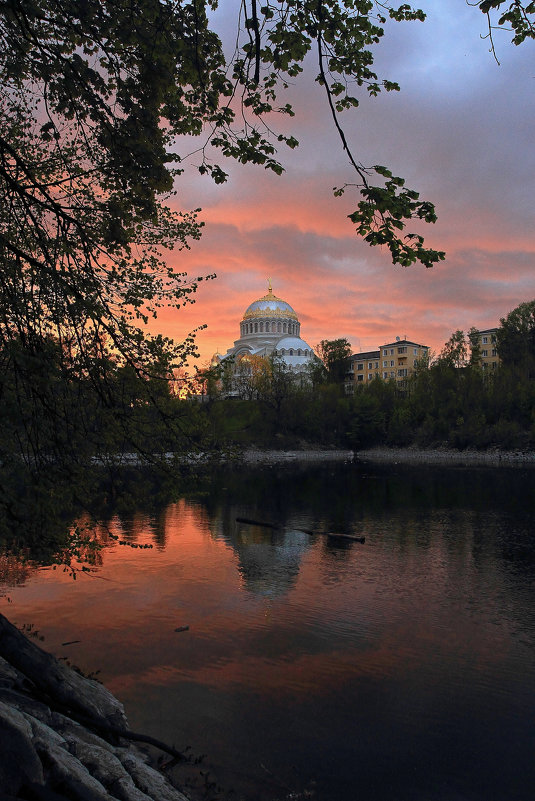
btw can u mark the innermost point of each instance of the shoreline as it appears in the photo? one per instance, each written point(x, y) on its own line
point(448, 456)
point(392, 455)
point(408, 455)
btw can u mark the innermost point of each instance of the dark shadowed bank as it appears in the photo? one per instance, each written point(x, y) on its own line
point(64, 736)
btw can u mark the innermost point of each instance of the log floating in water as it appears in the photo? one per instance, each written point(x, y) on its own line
point(333, 535)
point(255, 522)
point(350, 537)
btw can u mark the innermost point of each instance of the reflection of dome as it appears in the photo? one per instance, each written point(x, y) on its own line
point(268, 561)
point(269, 306)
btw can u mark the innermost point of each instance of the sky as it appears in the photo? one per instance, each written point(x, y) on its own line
point(460, 131)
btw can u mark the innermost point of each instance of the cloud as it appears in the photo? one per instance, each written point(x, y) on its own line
point(460, 134)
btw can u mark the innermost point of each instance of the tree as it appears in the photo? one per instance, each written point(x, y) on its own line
point(474, 340)
point(93, 97)
point(455, 351)
point(516, 336)
point(334, 355)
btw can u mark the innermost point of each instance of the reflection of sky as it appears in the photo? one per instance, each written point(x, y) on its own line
point(403, 665)
point(460, 131)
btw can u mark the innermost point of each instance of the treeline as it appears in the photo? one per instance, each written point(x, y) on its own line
point(450, 400)
point(439, 405)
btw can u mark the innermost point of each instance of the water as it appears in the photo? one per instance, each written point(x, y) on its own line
point(398, 669)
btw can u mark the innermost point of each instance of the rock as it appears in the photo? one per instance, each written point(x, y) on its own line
point(63, 685)
point(20, 763)
point(100, 762)
point(67, 775)
point(148, 780)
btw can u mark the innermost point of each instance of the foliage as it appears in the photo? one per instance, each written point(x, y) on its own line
point(519, 17)
point(516, 336)
point(455, 351)
point(474, 341)
point(95, 99)
point(334, 355)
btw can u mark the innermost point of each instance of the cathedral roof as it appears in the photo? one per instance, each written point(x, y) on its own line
point(292, 342)
point(269, 306)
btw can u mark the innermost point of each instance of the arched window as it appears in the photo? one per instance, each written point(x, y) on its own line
point(282, 351)
point(284, 328)
point(262, 327)
point(279, 327)
point(291, 352)
point(256, 327)
point(299, 352)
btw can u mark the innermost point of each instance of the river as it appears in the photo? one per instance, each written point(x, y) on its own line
point(307, 666)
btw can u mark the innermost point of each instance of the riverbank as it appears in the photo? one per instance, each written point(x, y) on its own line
point(407, 455)
point(65, 736)
point(446, 456)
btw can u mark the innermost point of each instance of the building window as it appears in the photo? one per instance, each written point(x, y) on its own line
point(485, 340)
point(392, 363)
point(279, 327)
point(484, 353)
point(299, 352)
point(291, 352)
point(391, 351)
point(493, 352)
point(494, 365)
point(262, 327)
point(376, 365)
point(402, 350)
point(385, 352)
point(360, 366)
point(415, 351)
point(403, 373)
point(493, 338)
point(385, 375)
point(360, 378)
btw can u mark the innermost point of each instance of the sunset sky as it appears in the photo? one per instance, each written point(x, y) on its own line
point(461, 133)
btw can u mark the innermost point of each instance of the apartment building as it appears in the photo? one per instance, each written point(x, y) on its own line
point(489, 355)
point(394, 360)
point(362, 368)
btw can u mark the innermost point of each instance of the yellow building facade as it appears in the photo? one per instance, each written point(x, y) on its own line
point(393, 361)
point(488, 345)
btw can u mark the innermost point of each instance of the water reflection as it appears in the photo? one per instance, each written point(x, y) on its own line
point(401, 668)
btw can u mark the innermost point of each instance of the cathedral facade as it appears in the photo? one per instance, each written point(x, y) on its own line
point(270, 327)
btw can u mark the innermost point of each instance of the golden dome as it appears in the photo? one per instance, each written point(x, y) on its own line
point(270, 306)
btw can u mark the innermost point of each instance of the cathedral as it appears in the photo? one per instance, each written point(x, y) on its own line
point(270, 327)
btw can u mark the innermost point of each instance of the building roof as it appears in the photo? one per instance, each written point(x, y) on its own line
point(403, 342)
point(369, 354)
point(293, 343)
point(269, 306)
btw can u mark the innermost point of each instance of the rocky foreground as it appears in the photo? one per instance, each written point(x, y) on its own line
point(64, 736)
